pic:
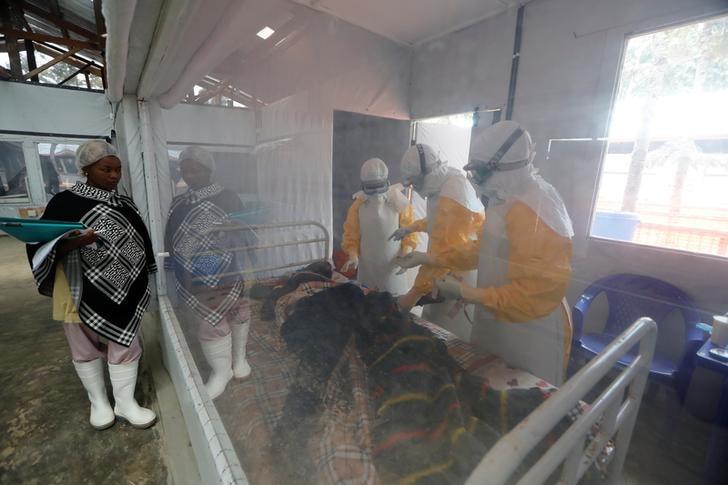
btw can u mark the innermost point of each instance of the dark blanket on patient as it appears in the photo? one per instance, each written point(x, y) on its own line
point(431, 421)
point(318, 271)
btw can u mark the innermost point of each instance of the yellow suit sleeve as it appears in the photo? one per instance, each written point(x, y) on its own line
point(453, 225)
point(352, 232)
point(460, 258)
point(539, 270)
point(420, 225)
point(407, 217)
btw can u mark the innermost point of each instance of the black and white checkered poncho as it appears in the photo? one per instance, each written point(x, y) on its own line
point(109, 280)
point(206, 261)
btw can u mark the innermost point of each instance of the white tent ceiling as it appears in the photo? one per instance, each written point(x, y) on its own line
point(411, 22)
point(173, 44)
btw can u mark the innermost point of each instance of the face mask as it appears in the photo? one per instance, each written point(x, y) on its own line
point(493, 196)
point(485, 194)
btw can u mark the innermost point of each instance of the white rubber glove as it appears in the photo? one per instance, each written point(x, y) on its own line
point(411, 260)
point(400, 234)
point(351, 264)
point(448, 288)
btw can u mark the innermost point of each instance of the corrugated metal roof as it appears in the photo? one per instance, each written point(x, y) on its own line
point(81, 8)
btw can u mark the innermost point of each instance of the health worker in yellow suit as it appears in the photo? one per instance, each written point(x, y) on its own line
point(454, 218)
point(378, 209)
point(523, 257)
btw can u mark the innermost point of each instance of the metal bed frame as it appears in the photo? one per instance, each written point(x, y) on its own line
point(615, 410)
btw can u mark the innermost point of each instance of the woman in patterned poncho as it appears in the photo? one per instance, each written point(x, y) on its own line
point(98, 279)
point(207, 270)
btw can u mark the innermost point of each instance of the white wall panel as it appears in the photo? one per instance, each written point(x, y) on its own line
point(465, 69)
point(209, 125)
point(38, 109)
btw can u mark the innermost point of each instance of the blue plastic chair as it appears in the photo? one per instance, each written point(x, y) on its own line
point(633, 296)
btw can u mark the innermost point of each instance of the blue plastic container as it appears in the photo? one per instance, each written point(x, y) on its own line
point(620, 226)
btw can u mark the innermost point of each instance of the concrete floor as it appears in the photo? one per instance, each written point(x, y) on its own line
point(669, 444)
point(46, 437)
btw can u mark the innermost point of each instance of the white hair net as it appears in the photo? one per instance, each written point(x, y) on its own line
point(199, 155)
point(93, 151)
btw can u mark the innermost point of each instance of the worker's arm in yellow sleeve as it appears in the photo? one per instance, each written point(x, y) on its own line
point(539, 269)
point(459, 258)
point(420, 225)
point(453, 225)
point(406, 218)
point(352, 232)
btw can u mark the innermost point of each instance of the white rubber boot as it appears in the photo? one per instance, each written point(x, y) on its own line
point(241, 368)
point(123, 380)
point(219, 354)
point(92, 378)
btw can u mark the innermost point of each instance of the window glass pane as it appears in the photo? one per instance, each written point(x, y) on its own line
point(666, 168)
point(58, 163)
point(13, 173)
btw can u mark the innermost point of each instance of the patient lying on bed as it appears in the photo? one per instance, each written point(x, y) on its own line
point(429, 419)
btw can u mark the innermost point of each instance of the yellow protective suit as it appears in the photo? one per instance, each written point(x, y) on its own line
point(539, 268)
point(453, 226)
point(352, 231)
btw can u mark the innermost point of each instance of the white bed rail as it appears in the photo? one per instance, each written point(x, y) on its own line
point(615, 413)
point(324, 238)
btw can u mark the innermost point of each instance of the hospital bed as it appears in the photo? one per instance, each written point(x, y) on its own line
point(237, 426)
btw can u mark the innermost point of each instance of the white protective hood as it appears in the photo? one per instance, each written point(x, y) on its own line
point(530, 188)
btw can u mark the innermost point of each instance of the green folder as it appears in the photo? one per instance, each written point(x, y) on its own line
point(37, 230)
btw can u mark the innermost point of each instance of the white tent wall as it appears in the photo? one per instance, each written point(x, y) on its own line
point(569, 63)
point(465, 69)
point(293, 157)
point(329, 65)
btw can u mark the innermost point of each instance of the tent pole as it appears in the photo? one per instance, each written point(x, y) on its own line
point(514, 62)
point(151, 183)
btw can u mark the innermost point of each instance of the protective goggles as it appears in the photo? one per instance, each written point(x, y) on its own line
point(375, 187)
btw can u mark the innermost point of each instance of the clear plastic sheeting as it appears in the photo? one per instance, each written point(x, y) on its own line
point(314, 377)
point(293, 159)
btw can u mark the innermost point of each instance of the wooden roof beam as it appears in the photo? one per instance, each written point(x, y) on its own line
point(73, 60)
point(99, 16)
point(11, 42)
point(207, 95)
point(82, 69)
point(56, 11)
point(52, 63)
point(20, 34)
